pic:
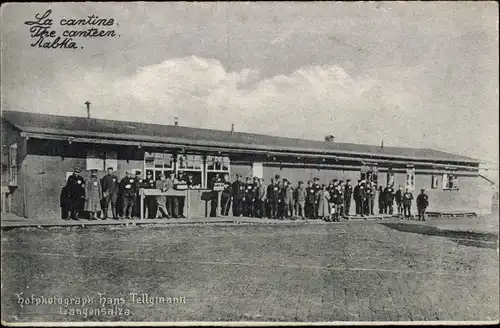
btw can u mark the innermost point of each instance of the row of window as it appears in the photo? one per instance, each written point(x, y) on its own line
point(450, 180)
point(201, 173)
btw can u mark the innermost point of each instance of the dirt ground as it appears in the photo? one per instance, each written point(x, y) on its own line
point(348, 271)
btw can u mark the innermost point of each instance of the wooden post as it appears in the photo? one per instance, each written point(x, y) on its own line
point(141, 194)
point(219, 205)
point(187, 204)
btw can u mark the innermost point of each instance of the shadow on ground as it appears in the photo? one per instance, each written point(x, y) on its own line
point(465, 238)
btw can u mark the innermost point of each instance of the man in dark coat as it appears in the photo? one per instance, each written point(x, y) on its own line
point(149, 201)
point(362, 199)
point(389, 199)
point(226, 196)
point(407, 198)
point(128, 190)
point(273, 192)
point(356, 196)
point(249, 197)
point(348, 190)
point(309, 207)
point(76, 186)
point(399, 200)
point(422, 203)
point(238, 193)
point(66, 203)
point(110, 187)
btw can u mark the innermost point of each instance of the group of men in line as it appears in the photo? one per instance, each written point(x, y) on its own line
point(94, 196)
point(280, 200)
point(250, 198)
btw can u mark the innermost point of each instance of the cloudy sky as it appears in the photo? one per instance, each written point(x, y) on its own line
point(411, 74)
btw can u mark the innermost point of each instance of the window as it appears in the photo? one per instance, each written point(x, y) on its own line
point(410, 178)
point(158, 163)
point(450, 181)
point(434, 183)
point(369, 174)
point(192, 167)
point(216, 165)
point(13, 165)
point(390, 178)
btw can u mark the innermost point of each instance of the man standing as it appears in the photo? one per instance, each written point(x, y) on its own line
point(347, 197)
point(287, 198)
point(317, 196)
point(399, 200)
point(163, 185)
point(139, 182)
point(93, 195)
point(422, 203)
point(181, 200)
point(370, 196)
point(249, 197)
point(66, 202)
point(357, 200)
point(273, 199)
point(214, 195)
point(389, 199)
point(150, 201)
point(110, 193)
point(260, 194)
point(300, 200)
point(76, 186)
point(407, 198)
point(310, 200)
point(362, 199)
point(226, 196)
point(128, 190)
point(238, 193)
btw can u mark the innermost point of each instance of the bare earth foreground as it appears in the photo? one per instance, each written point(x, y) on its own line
point(348, 271)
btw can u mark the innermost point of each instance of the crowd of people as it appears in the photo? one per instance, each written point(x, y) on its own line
point(330, 202)
point(92, 197)
point(249, 198)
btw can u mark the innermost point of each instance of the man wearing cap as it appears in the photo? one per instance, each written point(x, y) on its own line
point(273, 192)
point(93, 195)
point(317, 196)
point(110, 187)
point(128, 190)
point(309, 208)
point(139, 183)
point(249, 198)
point(300, 200)
point(238, 193)
point(214, 195)
point(422, 203)
point(149, 201)
point(181, 201)
point(347, 197)
point(407, 198)
point(356, 197)
point(76, 189)
point(362, 198)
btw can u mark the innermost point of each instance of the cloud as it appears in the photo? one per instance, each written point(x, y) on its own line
point(310, 102)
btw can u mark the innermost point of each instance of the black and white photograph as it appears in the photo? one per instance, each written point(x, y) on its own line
point(249, 163)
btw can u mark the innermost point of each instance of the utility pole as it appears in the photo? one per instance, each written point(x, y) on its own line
point(87, 103)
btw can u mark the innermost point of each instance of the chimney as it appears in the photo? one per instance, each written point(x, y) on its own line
point(176, 121)
point(232, 128)
point(330, 138)
point(382, 145)
point(87, 103)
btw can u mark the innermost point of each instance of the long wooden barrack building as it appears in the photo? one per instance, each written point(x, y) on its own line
point(39, 151)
